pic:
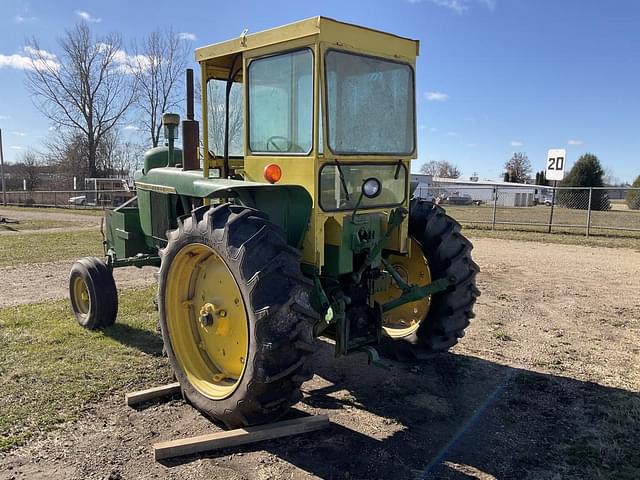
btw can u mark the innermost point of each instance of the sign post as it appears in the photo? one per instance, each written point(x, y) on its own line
point(556, 160)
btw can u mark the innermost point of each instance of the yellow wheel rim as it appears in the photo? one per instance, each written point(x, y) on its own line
point(81, 296)
point(207, 321)
point(405, 319)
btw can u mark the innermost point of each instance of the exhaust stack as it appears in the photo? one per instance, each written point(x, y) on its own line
point(190, 131)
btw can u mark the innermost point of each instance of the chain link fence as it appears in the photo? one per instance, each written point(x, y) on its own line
point(96, 199)
point(583, 210)
point(588, 211)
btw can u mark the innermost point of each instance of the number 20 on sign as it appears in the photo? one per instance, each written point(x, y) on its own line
point(555, 164)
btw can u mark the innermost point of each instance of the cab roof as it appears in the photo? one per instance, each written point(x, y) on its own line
point(326, 30)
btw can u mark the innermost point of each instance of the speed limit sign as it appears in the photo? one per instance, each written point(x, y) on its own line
point(556, 159)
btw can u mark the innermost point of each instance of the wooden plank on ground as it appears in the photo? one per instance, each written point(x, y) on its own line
point(136, 398)
point(240, 436)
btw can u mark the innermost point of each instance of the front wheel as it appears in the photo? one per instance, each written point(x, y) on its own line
point(235, 315)
point(437, 250)
point(93, 293)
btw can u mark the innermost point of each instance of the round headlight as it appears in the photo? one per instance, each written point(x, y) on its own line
point(371, 187)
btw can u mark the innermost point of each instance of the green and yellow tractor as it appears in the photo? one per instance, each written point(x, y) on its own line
point(295, 221)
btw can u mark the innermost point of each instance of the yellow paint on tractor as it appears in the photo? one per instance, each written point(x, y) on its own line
point(207, 321)
point(317, 34)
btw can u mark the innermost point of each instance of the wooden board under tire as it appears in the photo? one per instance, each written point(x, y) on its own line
point(239, 436)
point(136, 398)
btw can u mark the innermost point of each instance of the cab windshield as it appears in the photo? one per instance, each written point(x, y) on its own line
point(370, 105)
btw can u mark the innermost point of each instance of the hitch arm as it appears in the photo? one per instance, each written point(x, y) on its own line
point(411, 293)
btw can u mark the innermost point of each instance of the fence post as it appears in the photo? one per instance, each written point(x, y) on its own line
point(553, 202)
point(495, 205)
point(589, 211)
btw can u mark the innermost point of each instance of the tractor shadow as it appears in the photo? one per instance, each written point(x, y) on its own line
point(141, 339)
point(456, 417)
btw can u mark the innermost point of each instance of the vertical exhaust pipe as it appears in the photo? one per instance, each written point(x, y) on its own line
point(190, 131)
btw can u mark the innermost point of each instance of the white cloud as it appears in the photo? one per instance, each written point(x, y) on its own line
point(131, 128)
point(22, 19)
point(39, 53)
point(4, 117)
point(574, 142)
point(20, 134)
point(516, 143)
point(433, 129)
point(436, 96)
point(187, 36)
point(124, 62)
point(87, 17)
point(472, 145)
point(453, 134)
point(457, 6)
point(16, 147)
point(460, 7)
point(19, 61)
point(16, 61)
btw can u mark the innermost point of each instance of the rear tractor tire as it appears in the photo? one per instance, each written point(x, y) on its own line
point(235, 315)
point(93, 293)
point(438, 250)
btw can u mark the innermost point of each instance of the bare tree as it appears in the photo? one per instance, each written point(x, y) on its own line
point(87, 90)
point(30, 168)
point(442, 169)
point(518, 168)
point(216, 105)
point(120, 159)
point(159, 66)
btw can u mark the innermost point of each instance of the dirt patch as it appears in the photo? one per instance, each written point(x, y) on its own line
point(544, 385)
point(23, 215)
point(34, 283)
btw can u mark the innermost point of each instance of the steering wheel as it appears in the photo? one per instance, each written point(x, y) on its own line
point(289, 145)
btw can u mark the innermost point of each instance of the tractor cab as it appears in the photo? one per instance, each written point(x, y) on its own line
point(320, 104)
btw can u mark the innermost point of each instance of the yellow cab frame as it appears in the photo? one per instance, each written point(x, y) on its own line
point(318, 34)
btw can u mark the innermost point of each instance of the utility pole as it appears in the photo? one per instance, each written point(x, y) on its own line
point(4, 188)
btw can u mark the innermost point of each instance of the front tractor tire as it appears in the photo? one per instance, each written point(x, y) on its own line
point(438, 250)
point(235, 315)
point(93, 293)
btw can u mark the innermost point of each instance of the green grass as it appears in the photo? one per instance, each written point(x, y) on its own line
point(607, 448)
point(540, 215)
point(95, 212)
point(503, 336)
point(598, 237)
point(49, 247)
point(50, 367)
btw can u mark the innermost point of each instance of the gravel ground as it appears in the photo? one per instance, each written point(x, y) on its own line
point(543, 386)
point(38, 282)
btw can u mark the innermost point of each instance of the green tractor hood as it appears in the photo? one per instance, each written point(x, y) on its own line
point(288, 206)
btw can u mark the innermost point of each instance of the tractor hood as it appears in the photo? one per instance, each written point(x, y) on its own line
point(288, 206)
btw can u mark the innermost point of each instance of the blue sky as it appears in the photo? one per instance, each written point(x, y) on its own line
point(493, 76)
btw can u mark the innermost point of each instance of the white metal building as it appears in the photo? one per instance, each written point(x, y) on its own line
point(509, 194)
